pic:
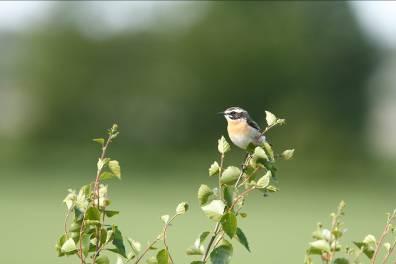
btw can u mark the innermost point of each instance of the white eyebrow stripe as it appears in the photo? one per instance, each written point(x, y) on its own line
point(235, 109)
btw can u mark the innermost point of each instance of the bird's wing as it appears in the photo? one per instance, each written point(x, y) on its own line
point(253, 124)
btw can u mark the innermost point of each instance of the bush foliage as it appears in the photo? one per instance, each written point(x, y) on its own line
point(90, 236)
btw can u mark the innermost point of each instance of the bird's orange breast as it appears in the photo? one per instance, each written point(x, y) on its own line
point(238, 127)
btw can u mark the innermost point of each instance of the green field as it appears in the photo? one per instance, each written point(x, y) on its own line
point(278, 227)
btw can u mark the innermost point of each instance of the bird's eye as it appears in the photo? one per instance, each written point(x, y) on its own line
point(233, 113)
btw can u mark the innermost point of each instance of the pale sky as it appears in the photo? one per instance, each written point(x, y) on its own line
point(378, 18)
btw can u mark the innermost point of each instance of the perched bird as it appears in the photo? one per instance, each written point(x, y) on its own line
point(242, 130)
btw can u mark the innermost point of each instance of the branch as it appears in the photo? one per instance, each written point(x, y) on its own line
point(212, 239)
point(382, 237)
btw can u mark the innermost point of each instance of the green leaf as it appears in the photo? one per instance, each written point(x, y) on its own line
point(165, 218)
point(110, 213)
point(228, 193)
point(135, 245)
point(152, 260)
point(115, 168)
point(68, 246)
point(197, 262)
point(222, 254)
point(59, 244)
point(243, 215)
point(230, 175)
point(229, 224)
point(321, 245)
point(102, 260)
point(182, 208)
point(387, 246)
point(341, 261)
point(270, 118)
point(193, 251)
point(203, 236)
point(103, 236)
point(288, 154)
point(102, 162)
point(223, 145)
point(370, 239)
point(118, 243)
point(242, 238)
point(214, 210)
point(367, 250)
point(198, 248)
point(75, 227)
point(119, 260)
point(109, 236)
point(272, 188)
point(101, 141)
point(268, 150)
point(214, 168)
point(92, 214)
point(264, 181)
point(85, 241)
point(92, 222)
point(259, 154)
point(107, 175)
point(204, 192)
point(163, 257)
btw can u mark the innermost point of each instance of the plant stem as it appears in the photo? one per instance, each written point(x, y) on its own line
point(382, 237)
point(165, 233)
point(146, 250)
point(268, 128)
point(97, 179)
point(243, 169)
point(242, 195)
point(389, 252)
point(81, 232)
point(212, 239)
point(67, 218)
point(220, 173)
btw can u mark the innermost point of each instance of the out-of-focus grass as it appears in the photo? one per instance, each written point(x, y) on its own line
point(278, 227)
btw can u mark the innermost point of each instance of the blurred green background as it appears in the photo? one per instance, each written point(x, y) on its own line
point(161, 70)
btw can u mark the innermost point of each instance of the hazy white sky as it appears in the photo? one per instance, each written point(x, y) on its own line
point(378, 18)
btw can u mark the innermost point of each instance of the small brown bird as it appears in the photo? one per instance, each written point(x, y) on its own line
point(242, 130)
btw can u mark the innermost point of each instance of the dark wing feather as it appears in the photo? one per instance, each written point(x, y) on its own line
point(253, 124)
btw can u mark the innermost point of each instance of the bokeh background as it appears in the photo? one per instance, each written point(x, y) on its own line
point(161, 70)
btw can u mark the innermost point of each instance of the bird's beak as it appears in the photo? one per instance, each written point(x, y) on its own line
point(220, 113)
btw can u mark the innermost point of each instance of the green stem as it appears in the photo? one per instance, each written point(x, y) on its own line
point(212, 239)
point(165, 234)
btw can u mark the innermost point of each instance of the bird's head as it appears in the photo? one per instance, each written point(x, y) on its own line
point(235, 114)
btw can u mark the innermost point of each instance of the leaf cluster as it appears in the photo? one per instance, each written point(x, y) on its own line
point(328, 248)
point(223, 203)
point(89, 234)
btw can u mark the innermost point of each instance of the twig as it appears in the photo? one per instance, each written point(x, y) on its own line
point(97, 179)
point(147, 249)
point(81, 232)
point(220, 173)
point(242, 195)
point(243, 169)
point(164, 237)
point(269, 127)
point(67, 218)
point(389, 253)
point(165, 233)
point(212, 239)
point(250, 176)
point(217, 226)
point(382, 237)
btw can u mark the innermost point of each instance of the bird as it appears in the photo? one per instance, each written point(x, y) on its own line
point(242, 129)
